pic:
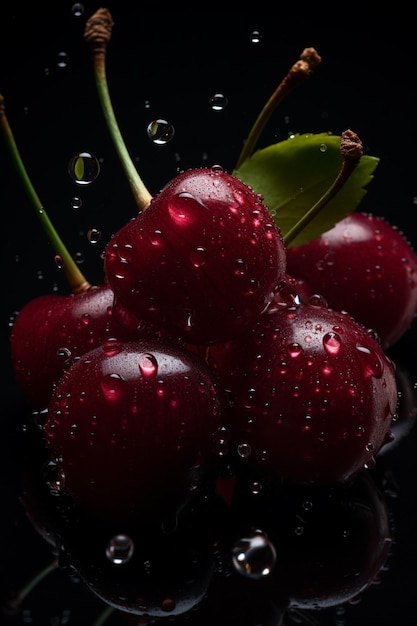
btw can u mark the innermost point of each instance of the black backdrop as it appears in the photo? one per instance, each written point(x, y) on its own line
point(168, 63)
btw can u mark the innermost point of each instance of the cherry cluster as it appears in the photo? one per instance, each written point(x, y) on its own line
point(206, 394)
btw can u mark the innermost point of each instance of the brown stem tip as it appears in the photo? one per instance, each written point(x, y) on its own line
point(351, 147)
point(98, 29)
point(308, 61)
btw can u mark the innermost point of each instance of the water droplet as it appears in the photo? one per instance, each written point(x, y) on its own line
point(62, 60)
point(94, 235)
point(58, 261)
point(160, 131)
point(168, 605)
point(323, 147)
point(148, 365)
point(244, 450)
point(120, 549)
point(218, 102)
point(77, 9)
point(255, 37)
point(332, 343)
point(254, 556)
point(112, 386)
point(83, 168)
point(76, 203)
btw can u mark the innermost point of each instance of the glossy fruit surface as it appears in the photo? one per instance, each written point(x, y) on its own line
point(132, 428)
point(312, 394)
point(365, 266)
point(50, 331)
point(201, 261)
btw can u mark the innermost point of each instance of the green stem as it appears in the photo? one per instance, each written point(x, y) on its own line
point(97, 34)
point(104, 616)
point(351, 150)
point(76, 279)
point(301, 70)
point(14, 605)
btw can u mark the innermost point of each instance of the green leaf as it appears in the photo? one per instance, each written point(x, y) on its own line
point(293, 174)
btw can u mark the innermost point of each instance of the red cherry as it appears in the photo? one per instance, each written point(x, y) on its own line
point(202, 260)
point(132, 428)
point(312, 394)
point(365, 266)
point(51, 331)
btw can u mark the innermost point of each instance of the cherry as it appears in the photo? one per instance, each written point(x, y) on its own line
point(366, 266)
point(201, 261)
point(133, 429)
point(312, 394)
point(66, 326)
point(51, 330)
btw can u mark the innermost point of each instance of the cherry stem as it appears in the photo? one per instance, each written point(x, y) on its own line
point(298, 73)
point(97, 34)
point(13, 606)
point(104, 616)
point(76, 279)
point(351, 150)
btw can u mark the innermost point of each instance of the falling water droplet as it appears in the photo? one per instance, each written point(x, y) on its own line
point(160, 131)
point(218, 102)
point(77, 9)
point(120, 549)
point(76, 203)
point(83, 168)
point(255, 37)
point(94, 235)
point(62, 60)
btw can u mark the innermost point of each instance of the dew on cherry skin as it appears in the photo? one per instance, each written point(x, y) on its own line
point(113, 386)
point(332, 343)
point(218, 102)
point(373, 365)
point(254, 557)
point(83, 168)
point(160, 131)
point(120, 549)
point(148, 365)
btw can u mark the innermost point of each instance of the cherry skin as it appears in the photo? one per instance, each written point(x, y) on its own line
point(312, 394)
point(52, 330)
point(133, 429)
point(201, 261)
point(365, 266)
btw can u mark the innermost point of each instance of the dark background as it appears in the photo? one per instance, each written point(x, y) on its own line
point(176, 60)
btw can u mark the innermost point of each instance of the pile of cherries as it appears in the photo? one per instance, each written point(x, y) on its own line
point(203, 421)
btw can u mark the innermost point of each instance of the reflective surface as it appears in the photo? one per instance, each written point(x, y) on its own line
point(207, 77)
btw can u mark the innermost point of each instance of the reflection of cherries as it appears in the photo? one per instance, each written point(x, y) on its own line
point(330, 543)
point(146, 569)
